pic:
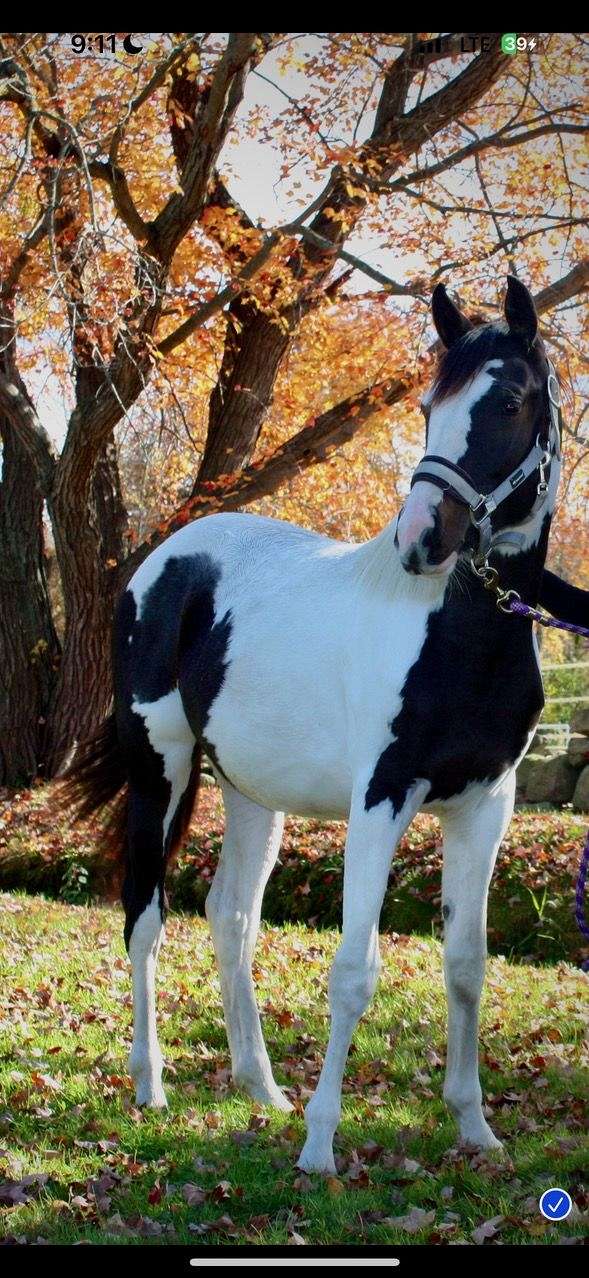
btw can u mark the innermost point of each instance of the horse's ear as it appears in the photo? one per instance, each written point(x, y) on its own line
point(450, 323)
point(520, 311)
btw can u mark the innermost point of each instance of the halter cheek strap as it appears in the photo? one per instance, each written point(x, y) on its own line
point(451, 478)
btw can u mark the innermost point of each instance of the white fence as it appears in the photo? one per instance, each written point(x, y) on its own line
point(555, 736)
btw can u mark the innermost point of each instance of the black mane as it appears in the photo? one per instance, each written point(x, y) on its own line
point(462, 362)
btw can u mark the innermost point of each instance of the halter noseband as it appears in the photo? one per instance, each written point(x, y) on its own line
point(451, 478)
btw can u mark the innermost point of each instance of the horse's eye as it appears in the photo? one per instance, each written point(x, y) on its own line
point(512, 406)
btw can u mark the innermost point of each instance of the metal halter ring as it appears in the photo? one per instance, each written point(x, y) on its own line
point(488, 575)
point(553, 390)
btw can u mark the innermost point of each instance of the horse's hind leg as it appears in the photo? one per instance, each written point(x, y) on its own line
point(233, 907)
point(164, 776)
point(144, 930)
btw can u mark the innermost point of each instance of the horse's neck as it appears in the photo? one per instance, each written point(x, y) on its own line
point(520, 568)
point(378, 565)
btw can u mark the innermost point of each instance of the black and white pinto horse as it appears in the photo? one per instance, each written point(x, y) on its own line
point(365, 682)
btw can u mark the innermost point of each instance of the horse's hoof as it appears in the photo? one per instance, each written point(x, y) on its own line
point(483, 1138)
point(272, 1096)
point(265, 1093)
point(316, 1158)
point(151, 1098)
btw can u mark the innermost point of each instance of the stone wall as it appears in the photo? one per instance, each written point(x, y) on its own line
point(564, 778)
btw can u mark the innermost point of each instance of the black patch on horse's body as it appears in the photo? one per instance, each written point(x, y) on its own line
point(470, 700)
point(175, 642)
point(202, 661)
point(474, 693)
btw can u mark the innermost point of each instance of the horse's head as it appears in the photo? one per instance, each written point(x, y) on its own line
point(491, 431)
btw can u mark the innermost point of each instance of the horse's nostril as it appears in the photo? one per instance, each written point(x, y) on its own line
point(412, 562)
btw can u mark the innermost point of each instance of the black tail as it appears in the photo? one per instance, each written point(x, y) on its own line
point(95, 778)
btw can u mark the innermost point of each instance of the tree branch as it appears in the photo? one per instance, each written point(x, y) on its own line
point(17, 266)
point(205, 312)
point(155, 82)
point(312, 444)
point(113, 175)
point(497, 141)
point(561, 290)
point(211, 127)
point(232, 290)
point(395, 136)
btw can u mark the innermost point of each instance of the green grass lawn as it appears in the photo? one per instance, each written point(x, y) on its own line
point(79, 1162)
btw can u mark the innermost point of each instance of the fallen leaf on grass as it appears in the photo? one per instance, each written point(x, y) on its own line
point(244, 1138)
point(357, 1177)
point(370, 1152)
point(13, 1192)
point(45, 1083)
point(258, 1224)
point(223, 1225)
point(302, 1184)
point(488, 1229)
point(222, 1191)
point(413, 1221)
point(258, 1122)
point(194, 1195)
point(334, 1185)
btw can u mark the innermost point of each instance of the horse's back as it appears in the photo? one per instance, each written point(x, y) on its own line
point(233, 543)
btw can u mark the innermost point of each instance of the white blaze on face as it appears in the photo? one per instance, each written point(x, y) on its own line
point(448, 430)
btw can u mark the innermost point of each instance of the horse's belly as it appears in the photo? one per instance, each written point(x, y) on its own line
point(286, 764)
point(280, 735)
point(305, 794)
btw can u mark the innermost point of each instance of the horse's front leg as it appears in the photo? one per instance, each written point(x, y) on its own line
point(472, 834)
point(372, 838)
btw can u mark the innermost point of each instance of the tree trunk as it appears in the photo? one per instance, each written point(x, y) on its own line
point(29, 647)
point(89, 544)
point(254, 348)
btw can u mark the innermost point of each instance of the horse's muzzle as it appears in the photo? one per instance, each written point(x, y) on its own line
point(430, 531)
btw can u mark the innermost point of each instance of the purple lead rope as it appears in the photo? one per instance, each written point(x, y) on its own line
point(523, 610)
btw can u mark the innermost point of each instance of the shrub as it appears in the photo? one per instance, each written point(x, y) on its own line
point(530, 905)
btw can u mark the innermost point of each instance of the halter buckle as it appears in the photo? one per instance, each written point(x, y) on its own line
point(484, 507)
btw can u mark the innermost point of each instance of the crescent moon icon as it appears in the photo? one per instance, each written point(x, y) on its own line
point(128, 45)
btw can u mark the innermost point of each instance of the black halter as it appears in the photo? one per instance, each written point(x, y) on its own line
point(451, 478)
